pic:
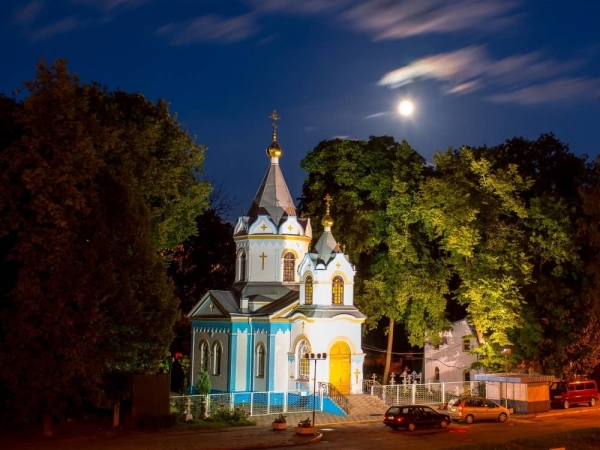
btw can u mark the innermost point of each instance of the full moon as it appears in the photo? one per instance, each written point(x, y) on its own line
point(406, 107)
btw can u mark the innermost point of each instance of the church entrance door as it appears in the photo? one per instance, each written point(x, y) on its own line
point(339, 367)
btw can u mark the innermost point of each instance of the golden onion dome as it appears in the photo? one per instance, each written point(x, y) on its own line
point(274, 150)
point(327, 221)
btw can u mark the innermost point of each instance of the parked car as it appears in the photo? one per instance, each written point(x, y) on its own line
point(413, 416)
point(471, 409)
point(567, 393)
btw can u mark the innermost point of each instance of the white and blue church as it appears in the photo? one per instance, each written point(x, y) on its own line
point(288, 299)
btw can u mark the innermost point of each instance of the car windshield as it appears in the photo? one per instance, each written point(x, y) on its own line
point(558, 387)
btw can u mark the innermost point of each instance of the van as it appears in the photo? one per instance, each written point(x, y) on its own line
point(567, 393)
point(471, 409)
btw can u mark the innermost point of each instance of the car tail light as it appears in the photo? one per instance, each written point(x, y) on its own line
point(398, 419)
point(460, 408)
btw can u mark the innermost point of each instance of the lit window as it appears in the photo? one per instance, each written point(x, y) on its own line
point(303, 363)
point(308, 290)
point(337, 290)
point(217, 356)
point(204, 356)
point(288, 266)
point(260, 361)
point(436, 374)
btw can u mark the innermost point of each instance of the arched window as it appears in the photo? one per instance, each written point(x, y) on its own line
point(467, 376)
point(217, 356)
point(303, 363)
point(337, 290)
point(204, 356)
point(308, 290)
point(289, 262)
point(260, 360)
point(242, 267)
point(436, 374)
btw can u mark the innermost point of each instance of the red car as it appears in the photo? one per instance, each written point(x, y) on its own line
point(413, 416)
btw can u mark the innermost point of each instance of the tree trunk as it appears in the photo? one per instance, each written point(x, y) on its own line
point(47, 424)
point(388, 353)
point(117, 414)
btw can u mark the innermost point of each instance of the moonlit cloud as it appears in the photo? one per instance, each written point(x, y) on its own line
point(398, 19)
point(379, 114)
point(524, 78)
point(28, 13)
point(563, 89)
point(210, 28)
point(62, 26)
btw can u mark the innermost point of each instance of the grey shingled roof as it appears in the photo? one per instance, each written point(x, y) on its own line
point(327, 312)
point(273, 197)
point(326, 246)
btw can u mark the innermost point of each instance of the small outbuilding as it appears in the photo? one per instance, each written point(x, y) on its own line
point(523, 393)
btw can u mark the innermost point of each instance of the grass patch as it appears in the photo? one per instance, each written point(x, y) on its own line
point(585, 439)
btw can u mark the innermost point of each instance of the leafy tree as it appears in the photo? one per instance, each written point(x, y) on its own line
point(95, 185)
point(373, 184)
point(555, 308)
point(472, 211)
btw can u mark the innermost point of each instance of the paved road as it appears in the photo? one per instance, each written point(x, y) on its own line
point(370, 435)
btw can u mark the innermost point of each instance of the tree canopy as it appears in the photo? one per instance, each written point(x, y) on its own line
point(96, 183)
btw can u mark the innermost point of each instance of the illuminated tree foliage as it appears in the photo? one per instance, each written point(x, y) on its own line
point(95, 185)
point(374, 184)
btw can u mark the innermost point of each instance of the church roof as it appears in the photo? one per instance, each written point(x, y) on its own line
point(327, 312)
point(273, 197)
point(326, 246)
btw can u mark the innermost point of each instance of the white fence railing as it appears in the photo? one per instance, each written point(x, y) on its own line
point(428, 393)
point(249, 403)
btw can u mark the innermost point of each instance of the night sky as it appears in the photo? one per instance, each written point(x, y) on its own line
point(478, 71)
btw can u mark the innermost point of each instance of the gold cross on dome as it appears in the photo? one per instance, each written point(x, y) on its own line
point(274, 117)
point(263, 256)
point(264, 227)
point(290, 228)
point(338, 265)
point(328, 199)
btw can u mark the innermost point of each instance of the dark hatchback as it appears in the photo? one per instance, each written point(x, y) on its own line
point(414, 416)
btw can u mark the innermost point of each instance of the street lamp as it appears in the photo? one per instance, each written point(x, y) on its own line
point(506, 352)
point(315, 357)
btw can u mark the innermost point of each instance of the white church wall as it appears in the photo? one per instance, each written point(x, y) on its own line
point(280, 368)
point(451, 358)
point(241, 361)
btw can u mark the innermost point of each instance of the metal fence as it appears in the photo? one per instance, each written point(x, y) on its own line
point(250, 403)
point(428, 393)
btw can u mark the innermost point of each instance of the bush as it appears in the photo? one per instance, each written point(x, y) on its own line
point(203, 385)
point(226, 415)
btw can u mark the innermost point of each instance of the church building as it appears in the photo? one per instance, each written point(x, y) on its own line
point(288, 299)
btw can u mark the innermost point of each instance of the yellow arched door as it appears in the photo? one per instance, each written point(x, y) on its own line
point(339, 367)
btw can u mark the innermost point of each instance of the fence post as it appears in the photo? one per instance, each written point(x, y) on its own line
point(268, 402)
point(252, 403)
point(321, 399)
point(285, 401)
point(414, 393)
point(443, 392)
